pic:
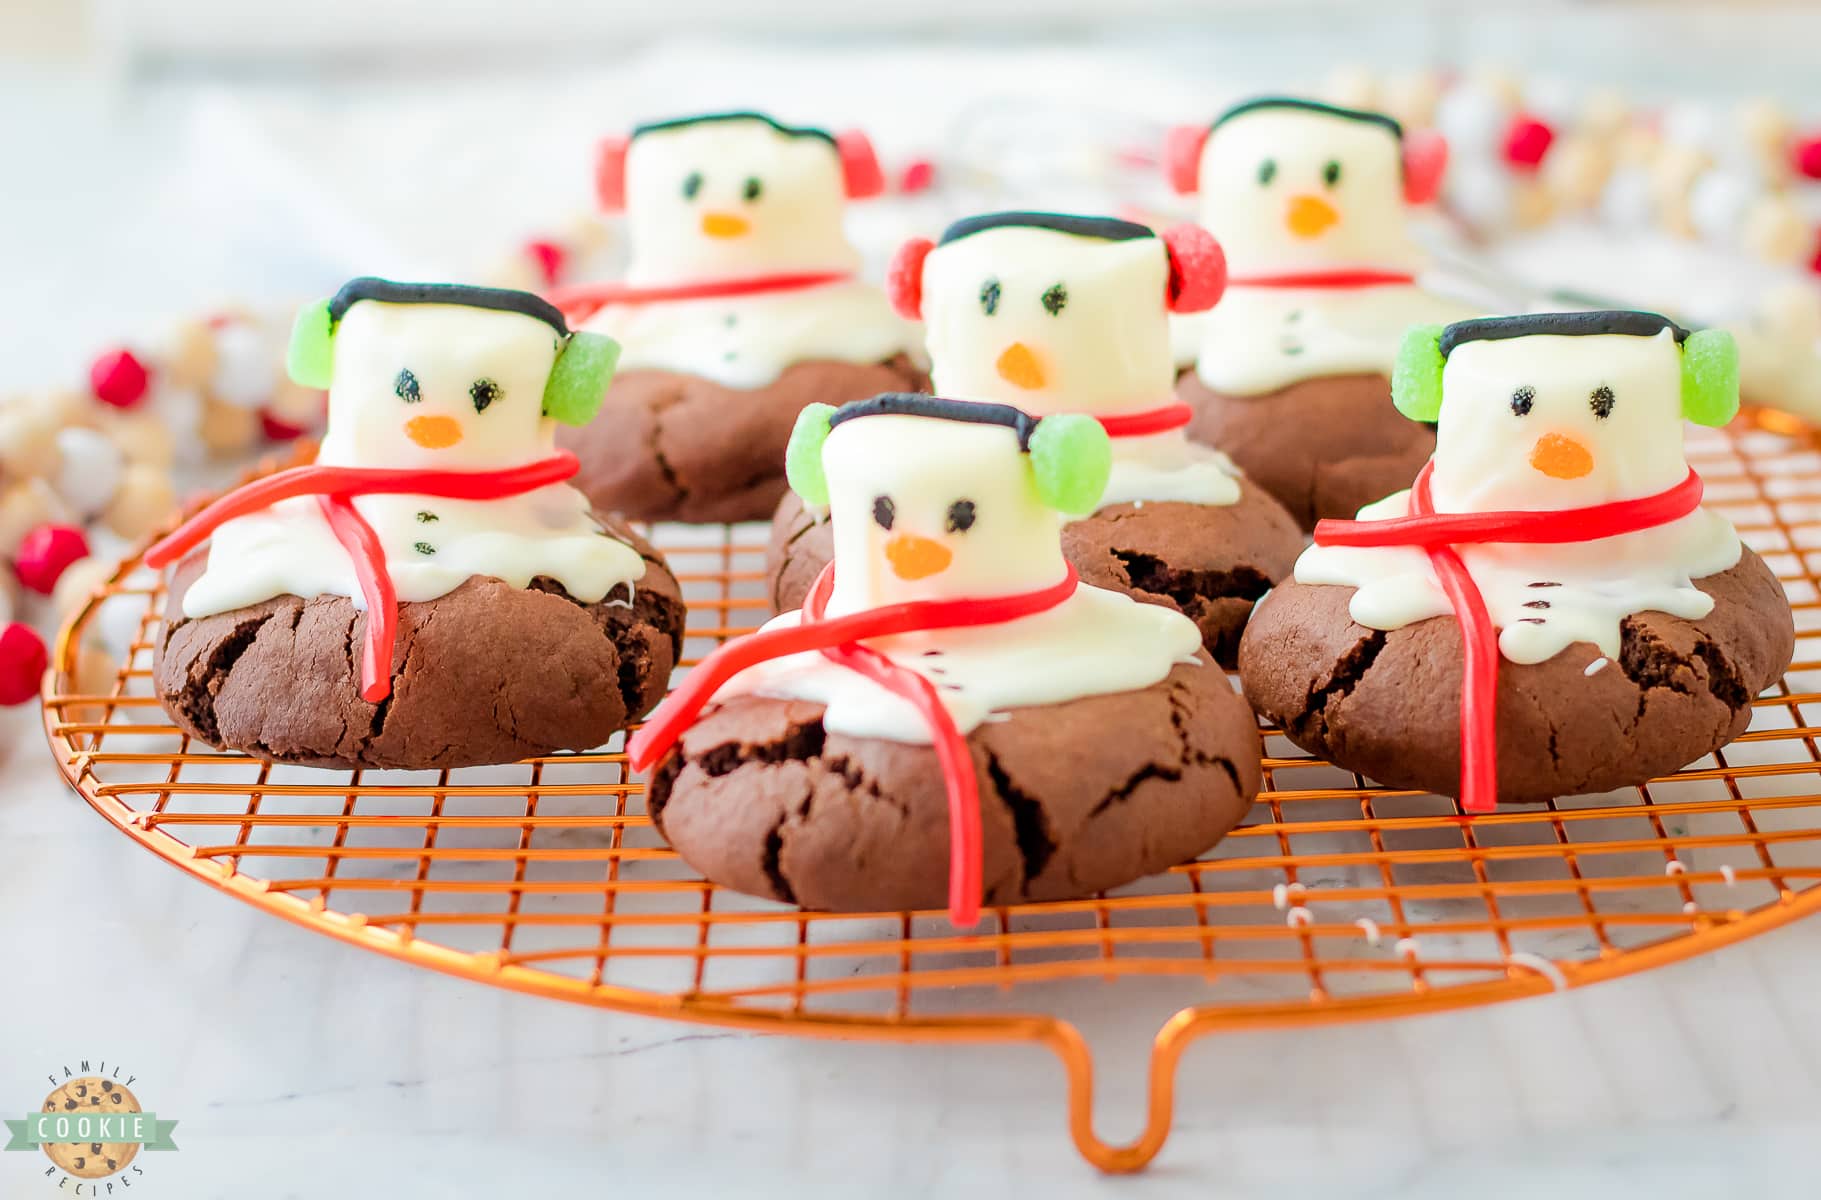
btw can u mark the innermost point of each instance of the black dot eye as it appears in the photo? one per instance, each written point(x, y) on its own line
point(989, 297)
point(406, 389)
point(884, 511)
point(692, 183)
point(961, 516)
point(1523, 400)
point(1267, 171)
point(752, 188)
point(1330, 174)
point(1601, 401)
point(1055, 298)
point(483, 392)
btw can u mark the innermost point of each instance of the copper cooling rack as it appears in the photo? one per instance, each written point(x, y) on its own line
point(1336, 901)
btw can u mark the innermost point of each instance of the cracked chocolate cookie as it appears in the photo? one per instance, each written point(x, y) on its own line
point(487, 673)
point(1209, 562)
point(1322, 447)
point(1388, 704)
point(675, 447)
point(1075, 797)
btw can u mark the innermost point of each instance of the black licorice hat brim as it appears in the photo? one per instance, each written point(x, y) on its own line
point(916, 404)
point(742, 114)
point(385, 291)
point(1624, 322)
point(1105, 229)
point(1297, 103)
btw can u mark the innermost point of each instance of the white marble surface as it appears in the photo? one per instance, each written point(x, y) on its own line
point(300, 1067)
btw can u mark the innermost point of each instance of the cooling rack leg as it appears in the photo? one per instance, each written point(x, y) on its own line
point(1078, 1062)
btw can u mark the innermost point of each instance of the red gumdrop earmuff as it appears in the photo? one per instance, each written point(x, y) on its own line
point(860, 171)
point(610, 172)
point(1425, 159)
point(1182, 157)
point(1198, 269)
point(904, 278)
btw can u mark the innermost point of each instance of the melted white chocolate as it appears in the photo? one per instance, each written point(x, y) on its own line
point(746, 342)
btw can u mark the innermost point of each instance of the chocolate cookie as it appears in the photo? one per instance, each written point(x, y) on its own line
point(1075, 797)
point(1208, 562)
point(1323, 447)
point(488, 673)
point(674, 447)
point(1388, 704)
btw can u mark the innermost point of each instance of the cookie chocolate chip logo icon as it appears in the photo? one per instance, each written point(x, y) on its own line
point(92, 1128)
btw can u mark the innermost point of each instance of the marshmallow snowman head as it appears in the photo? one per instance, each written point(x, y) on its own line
point(726, 195)
point(1290, 185)
point(1562, 410)
point(1055, 313)
point(933, 498)
point(445, 376)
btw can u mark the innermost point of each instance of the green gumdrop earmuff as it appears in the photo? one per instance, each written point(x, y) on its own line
point(579, 380)
point(803, 456)
point(1710, 377)
point(1071, 457)
point(1416, 377)
point(573, 393)
point(310, 358)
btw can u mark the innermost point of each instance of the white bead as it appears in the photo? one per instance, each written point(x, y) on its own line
point(1717, 204)
point(1482, 194)
point(1474, 121)
point(1627, 201)
point(89, 470)
point(246, 365)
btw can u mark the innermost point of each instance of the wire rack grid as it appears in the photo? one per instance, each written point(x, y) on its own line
point(1335, 901)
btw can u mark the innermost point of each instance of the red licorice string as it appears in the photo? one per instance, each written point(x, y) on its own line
point(363, 547)
point(1363, 278)
point(1438, 533)
point(581, 301)
point(836, 637)
point(334, 488)
point(1151, 420)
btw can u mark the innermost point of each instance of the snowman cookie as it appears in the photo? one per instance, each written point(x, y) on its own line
point(1292, 372)
point(431, 592)
point(952, 716)
point(1053, 313)
point(1548, 610)
point(741, 305)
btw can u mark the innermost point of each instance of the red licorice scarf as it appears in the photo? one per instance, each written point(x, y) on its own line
point(838, 639)
point(1438, 533)
point(1363, 277)
point(1151, 420)
point(582, 301)
point(335, 489)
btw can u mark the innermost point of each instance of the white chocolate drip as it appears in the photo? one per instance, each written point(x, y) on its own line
point(746, 342)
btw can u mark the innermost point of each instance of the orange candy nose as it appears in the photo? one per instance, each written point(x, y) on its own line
point(1310, 216)
point(1019, 367)
point(434, 433)
point(914, 557)
point(1561, 457)
point(724, 225)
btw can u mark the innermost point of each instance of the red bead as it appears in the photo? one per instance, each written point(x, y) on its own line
point(1808, 157)
point(550, 259)
point(277, 430)
point(119, 379)
point(45, 552)
point(919, 175)
point(1527, 141)
point(1814, 264)
point(23, 659)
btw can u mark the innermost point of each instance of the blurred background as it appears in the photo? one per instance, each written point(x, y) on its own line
point(166, 156)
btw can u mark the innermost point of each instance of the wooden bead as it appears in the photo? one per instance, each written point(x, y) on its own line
point(23, 507)
point(145, 498)
point(225, 430)
point(144, 440)
point(1352, 86)
point(1776, 232)
point(1412, 98)
point(192, 356)
point(1576, 171)
point(77, 583)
